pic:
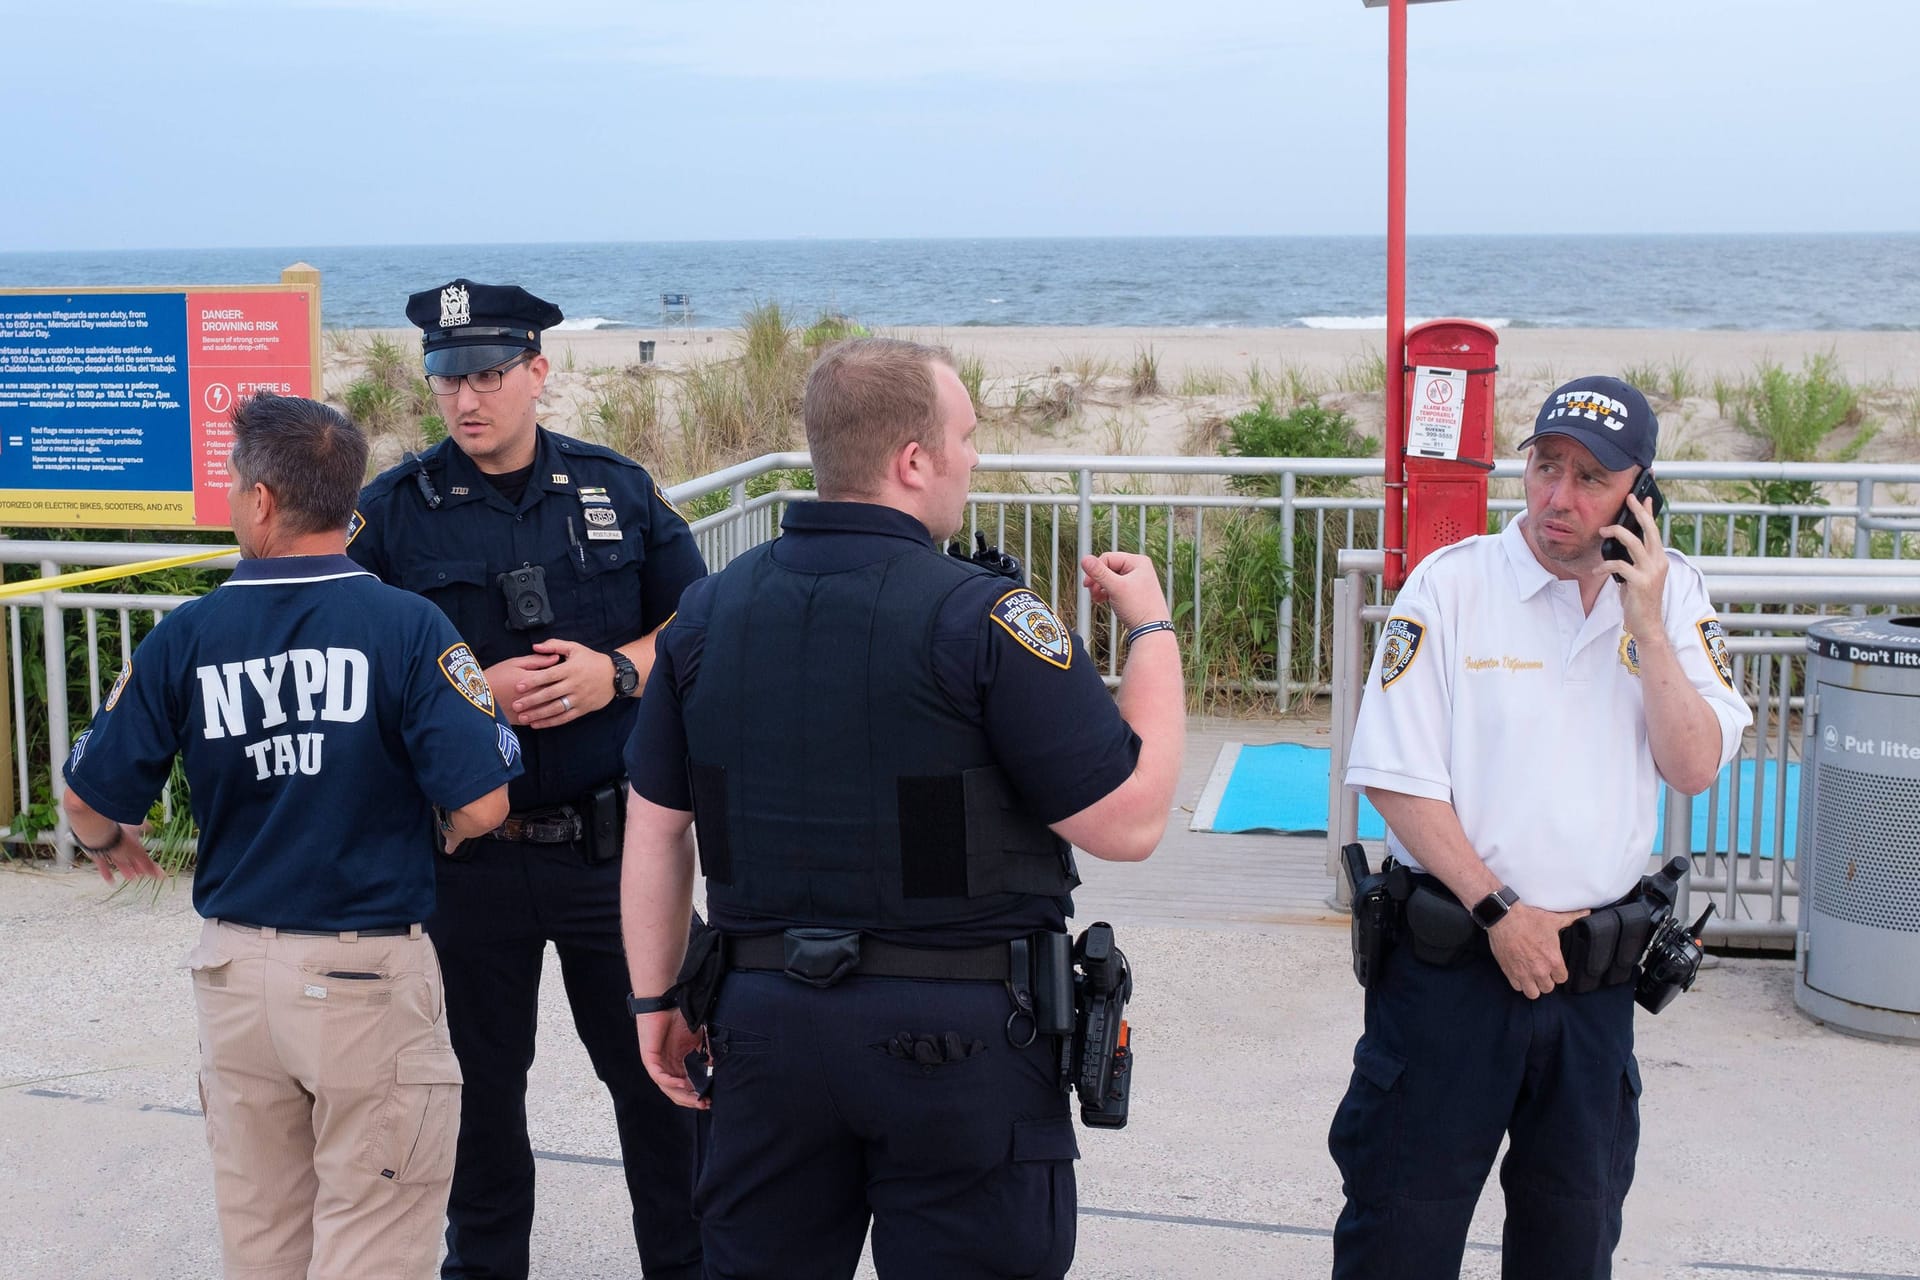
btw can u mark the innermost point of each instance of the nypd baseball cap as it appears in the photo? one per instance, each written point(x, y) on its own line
point(466, 327)
point(1610, 417)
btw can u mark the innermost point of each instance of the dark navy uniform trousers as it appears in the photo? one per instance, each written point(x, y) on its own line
point(965, 1168)
point(499, 904)
point(1451, 1061)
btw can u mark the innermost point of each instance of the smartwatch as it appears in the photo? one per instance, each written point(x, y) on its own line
point(626, 676)
point(1493, 908)
point(637, 1005)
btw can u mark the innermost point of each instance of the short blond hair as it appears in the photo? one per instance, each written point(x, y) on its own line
point(867, 399)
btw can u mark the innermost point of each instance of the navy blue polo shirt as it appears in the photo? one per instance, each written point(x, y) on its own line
point(1055, 732)
point(320, 715)
point(614, 552)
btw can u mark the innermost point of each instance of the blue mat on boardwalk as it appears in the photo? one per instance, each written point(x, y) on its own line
point(1282, 787)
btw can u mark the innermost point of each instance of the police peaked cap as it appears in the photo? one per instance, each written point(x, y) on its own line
point(467, 327)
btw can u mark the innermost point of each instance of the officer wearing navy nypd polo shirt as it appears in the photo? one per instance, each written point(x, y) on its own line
point(320, 716)
point(1522, 711)
point(557, 560)
point(893, 746)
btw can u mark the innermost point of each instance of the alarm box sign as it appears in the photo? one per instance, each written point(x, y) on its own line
point(116, 404)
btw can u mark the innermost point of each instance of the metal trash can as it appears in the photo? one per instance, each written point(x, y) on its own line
point(1859, 843)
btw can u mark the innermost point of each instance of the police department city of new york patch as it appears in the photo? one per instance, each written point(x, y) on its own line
point(1028, 620)
point(463, 671)
point(1713, 637)
point(354, 526)
point(120, 684)
point(1398, 648)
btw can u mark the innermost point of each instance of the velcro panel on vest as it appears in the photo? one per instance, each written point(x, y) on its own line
point(711, 828)
point(967, 835)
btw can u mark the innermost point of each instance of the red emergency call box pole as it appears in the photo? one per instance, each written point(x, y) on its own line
point(1393, 528)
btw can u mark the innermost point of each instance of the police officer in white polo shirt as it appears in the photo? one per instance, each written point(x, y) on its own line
point(1527, 697)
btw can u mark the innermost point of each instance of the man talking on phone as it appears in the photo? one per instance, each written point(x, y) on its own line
point(1528, 696)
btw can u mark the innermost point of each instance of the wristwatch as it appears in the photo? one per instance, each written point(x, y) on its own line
point(637, 1005)
point(1493, 908)
point(626, 676)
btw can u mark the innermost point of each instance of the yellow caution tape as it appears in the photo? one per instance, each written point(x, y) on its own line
point(86, 577)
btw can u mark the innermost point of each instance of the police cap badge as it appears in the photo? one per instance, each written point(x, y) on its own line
point(467, 327)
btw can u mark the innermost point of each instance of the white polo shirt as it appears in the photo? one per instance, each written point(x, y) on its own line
point(1493, 690)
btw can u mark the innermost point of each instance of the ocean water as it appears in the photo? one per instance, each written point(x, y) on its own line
point(1331, 282)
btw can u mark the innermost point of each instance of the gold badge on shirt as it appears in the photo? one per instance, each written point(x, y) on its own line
point(1629, 653)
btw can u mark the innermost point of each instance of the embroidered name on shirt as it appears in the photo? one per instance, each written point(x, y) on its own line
point(1506, 662)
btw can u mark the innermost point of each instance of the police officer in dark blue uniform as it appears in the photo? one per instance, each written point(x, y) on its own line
point(558, 560)
point(888, 749)
point(319, 715)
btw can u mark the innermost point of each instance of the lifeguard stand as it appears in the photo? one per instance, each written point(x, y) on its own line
point(676, 309)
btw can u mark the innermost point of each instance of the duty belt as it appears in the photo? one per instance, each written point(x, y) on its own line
point(558, 825)
point(875, 959)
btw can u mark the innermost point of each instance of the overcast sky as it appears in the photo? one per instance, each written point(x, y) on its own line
point(213, 123)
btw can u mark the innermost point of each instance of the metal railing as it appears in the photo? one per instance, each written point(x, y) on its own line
point(1753, 881)
point(1049, 510)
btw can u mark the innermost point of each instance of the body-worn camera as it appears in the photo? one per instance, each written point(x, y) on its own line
point(1101, 1067)
point(526, 591)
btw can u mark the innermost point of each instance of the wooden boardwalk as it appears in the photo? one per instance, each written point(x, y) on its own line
point(1204, 880)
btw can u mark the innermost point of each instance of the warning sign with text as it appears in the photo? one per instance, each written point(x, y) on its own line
point(1437, 413)
point(116, 406)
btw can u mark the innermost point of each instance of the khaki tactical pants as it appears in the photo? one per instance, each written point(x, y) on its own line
point(332, 1099)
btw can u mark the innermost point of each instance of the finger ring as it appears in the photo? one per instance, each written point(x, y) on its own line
point(566, 702)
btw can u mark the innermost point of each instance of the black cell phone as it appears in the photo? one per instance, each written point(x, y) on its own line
point(1647, 491)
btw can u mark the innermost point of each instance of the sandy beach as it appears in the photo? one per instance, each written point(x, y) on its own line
point(1207, 375)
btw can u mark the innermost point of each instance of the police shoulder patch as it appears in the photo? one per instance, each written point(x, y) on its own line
point(119, 686)
point(667, 502)
point(354, 526)
point(1026, 618)
point(1398, 648)
point(1713, 638)
point(464, 672)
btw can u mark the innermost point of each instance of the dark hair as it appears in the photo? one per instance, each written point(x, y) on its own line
point(309, 454)
point(866, 399)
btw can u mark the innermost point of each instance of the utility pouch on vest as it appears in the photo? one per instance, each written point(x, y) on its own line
point(1374, 910)
point(1439, 928)
point(1603, 947)
point(967, 835)
point(821, 957)
point(605, 821)
point(1052, 982)
point(696, 988)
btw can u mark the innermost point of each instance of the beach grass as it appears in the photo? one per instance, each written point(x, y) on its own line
point(1143, 376)
point(1793, 413)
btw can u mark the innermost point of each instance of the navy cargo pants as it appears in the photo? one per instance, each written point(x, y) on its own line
point(889, 1100)
point(1451, 1061)
point(499, 905)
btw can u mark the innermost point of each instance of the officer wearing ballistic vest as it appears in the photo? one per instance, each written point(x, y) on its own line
point(888, 749)
point(320, 717)
point(1523, 708)
point(558, 560)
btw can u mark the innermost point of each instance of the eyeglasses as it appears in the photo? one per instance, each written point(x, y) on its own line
point(446, 384)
